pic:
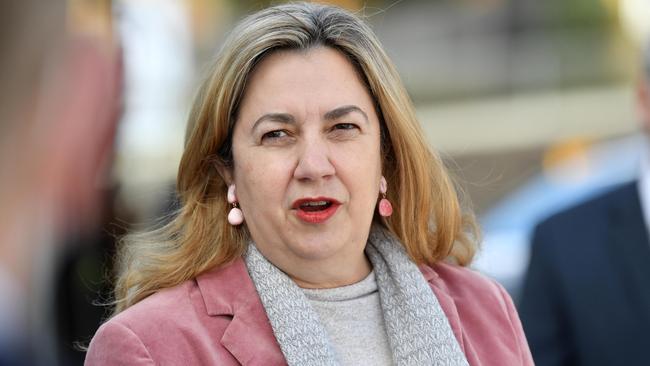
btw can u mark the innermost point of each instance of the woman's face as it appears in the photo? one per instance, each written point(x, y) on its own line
point(307, 167)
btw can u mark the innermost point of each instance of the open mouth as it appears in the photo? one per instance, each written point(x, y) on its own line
point(313, 206)
point(315, 210)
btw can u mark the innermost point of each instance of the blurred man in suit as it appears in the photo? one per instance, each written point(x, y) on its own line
point(586, 297)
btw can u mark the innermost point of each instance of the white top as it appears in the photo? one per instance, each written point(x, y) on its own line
point(354, 322)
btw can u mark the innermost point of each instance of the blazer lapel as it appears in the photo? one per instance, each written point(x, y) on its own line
point(249, 337)
point(631, 247)
point(446, 302)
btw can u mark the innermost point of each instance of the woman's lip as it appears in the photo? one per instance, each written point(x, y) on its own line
point(315, 217)
point(297, 203)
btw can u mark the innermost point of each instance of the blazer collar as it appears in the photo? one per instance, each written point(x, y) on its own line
point(226, 289)
point(229, 291)
point(428, 273)
point(446, 302)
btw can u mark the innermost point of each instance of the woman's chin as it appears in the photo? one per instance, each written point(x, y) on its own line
point(317, 249)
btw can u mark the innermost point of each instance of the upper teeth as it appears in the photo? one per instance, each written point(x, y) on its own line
point(315, 203)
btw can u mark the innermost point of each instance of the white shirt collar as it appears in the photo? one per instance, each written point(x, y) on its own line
point(644, 183)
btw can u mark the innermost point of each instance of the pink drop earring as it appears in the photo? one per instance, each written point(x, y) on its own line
point(385, 208)
point(235, 216)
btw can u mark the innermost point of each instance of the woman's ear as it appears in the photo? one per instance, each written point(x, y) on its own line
point(225, 172)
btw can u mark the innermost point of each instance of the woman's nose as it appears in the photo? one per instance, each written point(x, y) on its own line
point(314, 161)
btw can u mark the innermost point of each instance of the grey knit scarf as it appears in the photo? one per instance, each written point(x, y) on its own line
point(418, 330)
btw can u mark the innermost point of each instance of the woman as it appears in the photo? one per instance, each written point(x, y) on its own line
point(287, 249)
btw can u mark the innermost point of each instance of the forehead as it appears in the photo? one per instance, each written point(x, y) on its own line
point(319, 76)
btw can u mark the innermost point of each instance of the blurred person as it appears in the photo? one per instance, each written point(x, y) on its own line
point(286, 248)
point(58, 110)
point(586, 296)
point(83, 263)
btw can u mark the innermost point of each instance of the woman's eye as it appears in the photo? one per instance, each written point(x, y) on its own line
point(344, 131)
point(275, 134)
point(345, 126)
point(276, 137)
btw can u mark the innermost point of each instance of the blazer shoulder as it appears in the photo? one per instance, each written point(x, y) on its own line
point(468, 288)
point(117, 344)
point(585, 212)
point(167, 304)
point(132, 336)
point(463, 281)
point(483, 309)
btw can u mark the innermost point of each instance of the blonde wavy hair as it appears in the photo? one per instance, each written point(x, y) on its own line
point(427, 217)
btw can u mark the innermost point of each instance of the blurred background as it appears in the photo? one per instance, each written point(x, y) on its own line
point(531, 103)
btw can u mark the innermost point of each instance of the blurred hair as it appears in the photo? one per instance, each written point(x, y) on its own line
point(427, 218)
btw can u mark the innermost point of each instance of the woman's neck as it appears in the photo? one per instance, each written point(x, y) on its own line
point(322, 276)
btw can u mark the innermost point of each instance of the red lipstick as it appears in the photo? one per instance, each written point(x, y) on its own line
point(315, 210)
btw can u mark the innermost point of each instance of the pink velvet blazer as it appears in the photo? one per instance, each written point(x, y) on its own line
point(218, 319)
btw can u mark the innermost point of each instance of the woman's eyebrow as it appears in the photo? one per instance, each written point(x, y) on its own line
point(331, 115)
point(275, 117)
point(344, 110)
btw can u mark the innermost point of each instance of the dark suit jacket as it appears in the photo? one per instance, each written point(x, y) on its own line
point(586, 297)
